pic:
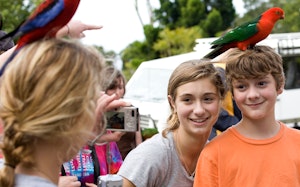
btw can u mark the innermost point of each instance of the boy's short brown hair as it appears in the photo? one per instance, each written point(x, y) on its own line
point(254, 63)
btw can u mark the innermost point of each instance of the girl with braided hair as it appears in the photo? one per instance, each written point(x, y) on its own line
point(48, 98)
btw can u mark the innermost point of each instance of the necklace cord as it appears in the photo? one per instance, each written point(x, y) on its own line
point(177, 144)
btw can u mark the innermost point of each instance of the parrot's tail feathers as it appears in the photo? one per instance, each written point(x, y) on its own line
point(214, 53)
point(6, 43)
point(13, 34)
point(8, 35)
point(10, 58)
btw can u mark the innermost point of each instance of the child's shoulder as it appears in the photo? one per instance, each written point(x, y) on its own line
point(225, 136)
point(292, 138)
point(293, 131)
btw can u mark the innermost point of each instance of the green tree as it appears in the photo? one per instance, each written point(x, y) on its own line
point(173, 26)
point(137, 51)
point(254, 8)
point(168, 14)
point(151, 34)
point(213, 23)
point(134, 54)
point(212, 16)
point(292, 15)
point(177, 41)
point(15, 12)
point(226, 9)
point(189, 13)
point(192, 12)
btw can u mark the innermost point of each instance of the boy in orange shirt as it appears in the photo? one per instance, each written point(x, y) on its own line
point(259, 151)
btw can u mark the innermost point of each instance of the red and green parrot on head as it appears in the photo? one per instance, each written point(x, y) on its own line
point(248, 34)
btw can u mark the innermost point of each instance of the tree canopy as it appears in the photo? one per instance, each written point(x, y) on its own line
point(177, 24)
point(13, 13)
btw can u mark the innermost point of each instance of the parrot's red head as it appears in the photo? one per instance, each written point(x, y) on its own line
point(274, 14)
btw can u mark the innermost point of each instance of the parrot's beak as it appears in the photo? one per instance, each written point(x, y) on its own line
point(282, 17)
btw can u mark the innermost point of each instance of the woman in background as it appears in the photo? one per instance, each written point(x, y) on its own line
point(101, 155)
point(115, 84)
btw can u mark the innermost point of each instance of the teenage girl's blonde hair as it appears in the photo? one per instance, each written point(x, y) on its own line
point(49, 93)
point(186, 72)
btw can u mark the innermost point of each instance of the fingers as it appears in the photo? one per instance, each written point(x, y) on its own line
point(102, 103)
point(119, 135)
point(75, 184)
point(111, 137)
point(110, 102)
point(90, 184)
point(116, 104)
point(68, 181)
point(74, 181)
point(106, 103)
point(76, 28)
point(93, 27)
point(104, 100)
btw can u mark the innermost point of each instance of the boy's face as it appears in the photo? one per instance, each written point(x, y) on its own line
point(256, 98)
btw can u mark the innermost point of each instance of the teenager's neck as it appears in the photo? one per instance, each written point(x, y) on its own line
point(46, 173)
point(258, 129)
point(47, 164)
point(188, 150)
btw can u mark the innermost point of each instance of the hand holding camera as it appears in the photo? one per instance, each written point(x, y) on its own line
point(107, 107)
point(106, 103)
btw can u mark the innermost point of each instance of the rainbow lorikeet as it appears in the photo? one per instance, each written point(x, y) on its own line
point(45, 21)
point(247, 34)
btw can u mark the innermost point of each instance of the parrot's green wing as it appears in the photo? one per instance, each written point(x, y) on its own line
point(239, 33)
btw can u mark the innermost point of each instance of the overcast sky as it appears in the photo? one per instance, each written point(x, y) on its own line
point(120, 22)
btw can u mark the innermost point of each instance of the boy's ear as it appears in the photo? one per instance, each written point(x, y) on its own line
point(280, 90)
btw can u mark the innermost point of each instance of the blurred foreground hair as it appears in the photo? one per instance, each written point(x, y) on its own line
point(48, 93)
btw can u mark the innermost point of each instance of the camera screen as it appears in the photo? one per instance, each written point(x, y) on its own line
point(115, 120)
point(123, 119)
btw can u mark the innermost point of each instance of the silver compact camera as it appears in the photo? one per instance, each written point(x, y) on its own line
point(123, 119)
point(110, 181)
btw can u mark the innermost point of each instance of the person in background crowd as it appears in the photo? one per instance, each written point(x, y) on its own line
point(115, 84)
point(101, 156)
point(227, 116)
point(258, 151)
point(168, 159)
